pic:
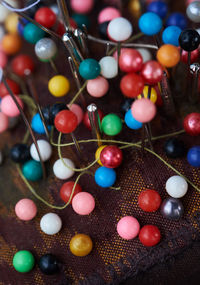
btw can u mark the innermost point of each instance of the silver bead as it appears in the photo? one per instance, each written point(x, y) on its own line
point(45, 49)
point(172, 209)
point(193, 12)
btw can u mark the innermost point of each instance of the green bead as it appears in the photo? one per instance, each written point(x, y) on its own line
point(32, 170)
point(111, 125)
point(80, 20)
point(32, 33)
point(23, 261)
point(89, 68)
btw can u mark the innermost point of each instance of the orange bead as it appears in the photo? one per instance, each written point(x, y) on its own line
point(168, 55)
point(11, 44)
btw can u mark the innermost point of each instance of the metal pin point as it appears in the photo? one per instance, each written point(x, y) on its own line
point(194, 71)
point(95, 122)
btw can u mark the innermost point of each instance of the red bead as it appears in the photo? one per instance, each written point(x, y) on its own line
point(21, 64)
point(46, 17)
point(132, 85)
point(149, 200)
point(149, 235)
point(66, 190)
point(111, 156)
point(86, 120)
point(13, 86)
point(152, 72)
point(66, 122)
point(194, 56)
point(191, 124)
point(130, 60)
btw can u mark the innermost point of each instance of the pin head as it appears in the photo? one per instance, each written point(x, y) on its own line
point(108, 14)
point(171, 35)
point(32, 33)
point(119, 29)
point(66, 122)
point(45, 17)
point(195, 68)
point(82, 7)
point(191, 124)
point(152, 72)
point(130, 60)
point(168, 55)
point(145, 24)
point(89, 68)
point(189, 40)
point(158, 7)
point(45, 49)
point(143, 110)
point(177, 19)
point(22, 63)
point(193, 11)
point(132, 85)
point(11, 44)
point(49, 264)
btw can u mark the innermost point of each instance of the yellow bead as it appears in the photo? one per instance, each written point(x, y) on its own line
point(11, 23)
point(59, 86)
point(153, 96)
point(135, 8)
point(98, 152)
point(81, 245)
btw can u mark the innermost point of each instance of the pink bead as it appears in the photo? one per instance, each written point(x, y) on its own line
point(83, 203)
point(128, 227)
point(25, 209)
point(76, 109)
point(3, 122)
point(97, 87)
point(108, 14)
point(143, 110)
point(130, 60)
point(3, 59)
point(9, 107)
point(82, 6)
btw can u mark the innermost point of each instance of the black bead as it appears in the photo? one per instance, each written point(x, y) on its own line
point(102, 28)
point(31, 12)
point(126, 105)
point(49, 264)
point(189, 40)
point(46, 114)
point(54, 110)
point(20, 153)
point(174, 148)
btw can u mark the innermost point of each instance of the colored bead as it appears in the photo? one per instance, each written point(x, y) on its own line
point(194, 55)
point(189, 40)
point(3, 122)
point(191, 124)
point(119, 29)
point(108, 14)
point(45, 49)
point(51, 224)
point(193, 156)
point(76, 109)
point(23, 261)
point(177, 19)
point(172, 209)
point(4, 12)
point(145, 92)
point(61, 171)
point(126, 105)
point(3, 59)
point(32, 33)
point(111, 125)
point(32, 170)
point(176, 186)
point(13, 86)
point(81, 245)
point(132, 85)
point(11, 23)
point(128, 227)
point(105, 177)
point(149, 200)
point(44, 148)
point(89, 68)
point(21, 64)
point(86, 120)
point(174, 148)
point(97, 87)
point(11, 44)
point(82, 7)
point(171, 35)
point(130, 60)
point(143, 110)
point(8, 106)
point(109, 67)
point(168, 55)
point(59, 86)
point(20, 153)
point(158, 7)
point(145, 53)
point(66, 190)
point(145, 24)
point(149, 235)
point(45, 17)
point(51, 112)
point(25, 209)
point(193, 12)
point(98, 153)
point(81, 19)
point(83, 203)
point(102, 29)
point(152, 72)
point(66, 121)
point(131, 122)
point(49, 264)
point(111, 156)
point(37, 124)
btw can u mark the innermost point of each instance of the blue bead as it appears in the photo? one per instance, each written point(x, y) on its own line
point(32, 170)
point(150, 24)
point(131, 122)
point(177, 19)
point(37, 124)
point(20, 26)
point(158, 7)
point(105, 177)
point(171, 35)
point(193, 156)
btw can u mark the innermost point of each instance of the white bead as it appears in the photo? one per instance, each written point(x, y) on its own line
point(45, 150)
point(45, 49)
point(4, 11)
point(176, 186)
point(109, 67)
point(119, 29)
point(50, 224)
point(2, 32)
point(145, 53)
point(1, 158)
point(61, 171)
point(193, 12)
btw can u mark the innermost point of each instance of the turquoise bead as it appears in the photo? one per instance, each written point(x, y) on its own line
point(89, 68)
point(32, 170)
point(32, 33)
point(80, 20)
